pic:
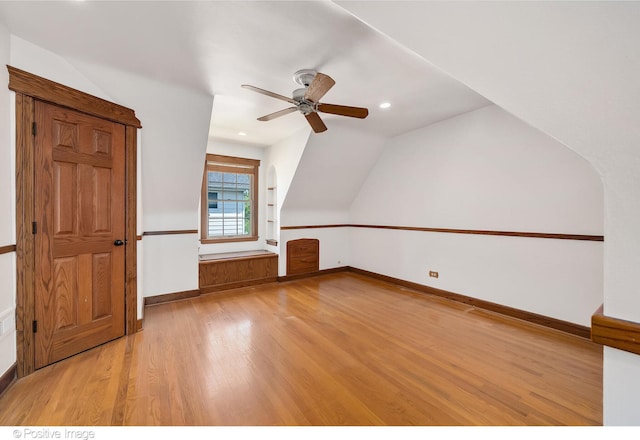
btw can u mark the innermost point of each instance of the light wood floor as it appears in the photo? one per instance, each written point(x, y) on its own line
point(337, 349)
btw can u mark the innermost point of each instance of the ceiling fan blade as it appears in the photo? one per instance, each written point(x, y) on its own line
point(268, 93)
point(319, 87)
point(274, 115)
point(343, 110)
point(315, 122)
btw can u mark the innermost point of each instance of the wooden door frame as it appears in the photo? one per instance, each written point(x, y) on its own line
point(28, 88)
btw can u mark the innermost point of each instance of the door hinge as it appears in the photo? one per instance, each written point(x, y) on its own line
point(34, 228)
point(35, 326)
point(34, 130)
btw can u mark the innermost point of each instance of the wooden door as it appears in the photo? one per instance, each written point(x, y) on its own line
point(79, 236)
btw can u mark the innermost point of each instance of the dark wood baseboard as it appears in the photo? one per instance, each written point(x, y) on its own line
point(614, 332)
point(168, 297)
point(236, 285)
point(8, 378)
point(139, 324)
point(534, 318)
point(313, 274)
point(567, 327)
point(222, 288)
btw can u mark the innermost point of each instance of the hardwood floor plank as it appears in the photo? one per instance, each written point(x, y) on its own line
point(337, 349)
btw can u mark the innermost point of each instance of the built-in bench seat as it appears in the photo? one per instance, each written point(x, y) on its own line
point(230, 270)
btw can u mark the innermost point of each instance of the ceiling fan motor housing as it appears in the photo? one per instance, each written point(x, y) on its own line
point(304, 106)
point(298, 94)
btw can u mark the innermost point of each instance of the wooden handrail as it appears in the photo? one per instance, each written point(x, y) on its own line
point(614, 332)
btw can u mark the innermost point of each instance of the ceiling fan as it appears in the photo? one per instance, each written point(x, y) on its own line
point(306, 100)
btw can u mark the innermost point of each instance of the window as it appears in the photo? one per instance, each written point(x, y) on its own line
point(213, 200)
point(229, 199)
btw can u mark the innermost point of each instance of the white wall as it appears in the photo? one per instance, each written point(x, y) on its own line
point(335, 246)
point(172, 146)
point(329, 175)
point(284, 157)
point(485, 170)
point(572, 70)
point(170, 263)
point(174, 134)
point(7, 218)
point(173, 142)
point(34, 59)
point(331, 170)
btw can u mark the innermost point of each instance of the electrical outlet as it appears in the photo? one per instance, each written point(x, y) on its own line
point(433, 274)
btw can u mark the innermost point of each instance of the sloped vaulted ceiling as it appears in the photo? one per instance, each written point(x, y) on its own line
point(214, 47)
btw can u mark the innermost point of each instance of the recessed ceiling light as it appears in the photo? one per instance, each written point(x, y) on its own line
point(385, 105)
point(242, 133)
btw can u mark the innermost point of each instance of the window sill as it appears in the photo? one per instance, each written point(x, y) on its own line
point(227, 239)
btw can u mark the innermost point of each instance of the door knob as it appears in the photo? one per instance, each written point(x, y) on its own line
point(118, 242)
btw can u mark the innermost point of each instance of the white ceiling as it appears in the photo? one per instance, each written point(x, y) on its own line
point(216, 46)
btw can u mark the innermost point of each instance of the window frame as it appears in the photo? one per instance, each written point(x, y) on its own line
point(229, 164)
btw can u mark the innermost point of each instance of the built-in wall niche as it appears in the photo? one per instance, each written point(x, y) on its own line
point(272, 207)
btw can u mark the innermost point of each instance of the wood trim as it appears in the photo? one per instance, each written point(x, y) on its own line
point(25, 246)
point(139, 325)
point(237, 285)
point(28, 88)
point(169, 297)
point(240, 255)
point(220, 159)
point(567, 327)
point(290, 228)
point(230, 164)
point(138, 237)
point(204, 197)
point(50, 91)
point(614, 332)
point(286, 278)
point(459, 231)
point(177, 232)
point(131, 251)
point(8, 378)
point(7, 249)
point(228, 240)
